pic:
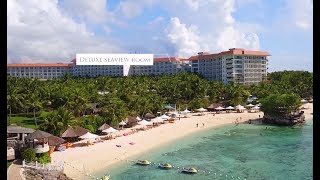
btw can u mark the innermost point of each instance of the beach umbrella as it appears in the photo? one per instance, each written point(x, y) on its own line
point(186, 111)
point(122, 123)
point(103, 127)
point(157, 120)
point(80, 131)
point(69, 133)
point(239, 107)
point(19, 129)
point(169, 107)
point(304, 101)
point(242, 108)
point(144, 123)
point(255, 108)
point(229, 107)
point(88, 135)
point(138, 118)
point(54, 141)
point(38, 134)
point(201, 109)
point(250, 105)
point(258, 104)
point(110, 130)
point(164, 117)
point(149, 116)
point(219, 108)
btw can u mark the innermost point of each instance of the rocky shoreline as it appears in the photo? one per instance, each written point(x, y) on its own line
point(40, 174)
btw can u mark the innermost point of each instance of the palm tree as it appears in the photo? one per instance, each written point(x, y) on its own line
point(34, 103)
point(65, 117)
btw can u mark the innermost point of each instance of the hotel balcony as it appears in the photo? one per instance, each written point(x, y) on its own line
point(42, 148)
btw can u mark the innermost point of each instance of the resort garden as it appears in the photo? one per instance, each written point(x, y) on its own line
point(54, 105)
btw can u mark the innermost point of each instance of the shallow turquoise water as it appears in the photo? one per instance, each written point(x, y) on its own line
point(231, 152)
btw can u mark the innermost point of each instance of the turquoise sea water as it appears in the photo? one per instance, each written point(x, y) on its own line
point(231, 152)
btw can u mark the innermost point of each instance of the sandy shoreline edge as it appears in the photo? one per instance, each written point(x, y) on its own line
point(100, 156)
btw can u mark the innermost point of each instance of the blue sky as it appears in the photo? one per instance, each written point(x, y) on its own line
point(54, 31)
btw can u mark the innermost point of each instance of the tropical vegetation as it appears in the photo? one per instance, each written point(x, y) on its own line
point(89, 102)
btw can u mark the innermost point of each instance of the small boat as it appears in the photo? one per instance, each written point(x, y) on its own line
point(165, 166)
point(190, 171)
point(106, 177)
point(144, 162)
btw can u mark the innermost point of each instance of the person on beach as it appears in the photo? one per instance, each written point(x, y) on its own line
point(202, 124)
point(197, 125)
point(237, 122)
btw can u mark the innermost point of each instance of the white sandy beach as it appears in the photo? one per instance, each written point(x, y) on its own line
point(102, 155)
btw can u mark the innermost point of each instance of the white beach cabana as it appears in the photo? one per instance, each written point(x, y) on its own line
point(122, 123)
point(165, 117)
point(186, 111)
point(255, 107)
point(201, 109)
point(88, 135)
point(240, 108)
point(219, 108)
point(110, 130)
point(304, 101)
point(157, 120)
point(144, 123)
point(229, 108)
point(250, 105)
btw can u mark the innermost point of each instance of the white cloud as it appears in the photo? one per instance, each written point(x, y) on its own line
point(302, 13)
point(209, 27)
point(131, 9)
point(90, 11)
point(38, 30)
point(185, 39)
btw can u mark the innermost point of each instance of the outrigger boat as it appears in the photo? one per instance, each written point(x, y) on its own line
point(144, 162)
point(165, 166)
point(190, 171)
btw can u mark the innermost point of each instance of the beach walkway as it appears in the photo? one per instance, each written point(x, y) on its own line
point(13, 172)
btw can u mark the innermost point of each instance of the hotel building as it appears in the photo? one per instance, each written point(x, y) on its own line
point(236, 65)
point(39, 71)
point(170, 65)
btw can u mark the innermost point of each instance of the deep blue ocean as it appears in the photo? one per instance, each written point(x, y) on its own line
point(245, 151)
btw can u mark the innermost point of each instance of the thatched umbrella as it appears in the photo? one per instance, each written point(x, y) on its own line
point(54, 141)
point(149, 116)
point(131, 121)
point(103, 127)
point(80, 131)
point(69, 133)
point(38, 134)
point(18, 129)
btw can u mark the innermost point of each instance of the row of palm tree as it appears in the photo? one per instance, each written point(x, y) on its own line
point(123, 96)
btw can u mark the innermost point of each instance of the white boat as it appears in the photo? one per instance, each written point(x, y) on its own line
point(165, 166)
point(190, 171)
point(144, 162)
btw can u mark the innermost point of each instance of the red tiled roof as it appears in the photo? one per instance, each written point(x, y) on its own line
point(39, 65)
point(232, 51)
